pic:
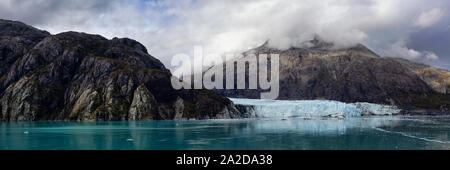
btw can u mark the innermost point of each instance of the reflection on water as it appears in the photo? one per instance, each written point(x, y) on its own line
point(352, 133)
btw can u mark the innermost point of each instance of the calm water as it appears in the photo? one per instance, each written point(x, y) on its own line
point(254, 134)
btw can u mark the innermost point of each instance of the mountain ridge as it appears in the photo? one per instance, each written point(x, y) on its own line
point(79, 76)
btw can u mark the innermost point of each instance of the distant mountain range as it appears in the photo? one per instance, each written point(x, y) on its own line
point(77, 76)
point(318, 70)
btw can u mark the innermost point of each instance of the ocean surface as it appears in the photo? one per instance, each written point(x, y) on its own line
point(295, 133)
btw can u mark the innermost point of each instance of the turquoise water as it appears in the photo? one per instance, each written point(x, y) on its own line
point(391, 132)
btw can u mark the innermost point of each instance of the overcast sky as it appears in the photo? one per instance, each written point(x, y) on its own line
point(418, 30)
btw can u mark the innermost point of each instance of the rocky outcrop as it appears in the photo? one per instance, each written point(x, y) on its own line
point(77, 76)
point(318, 70)
point(438, 79)
point(144, 105)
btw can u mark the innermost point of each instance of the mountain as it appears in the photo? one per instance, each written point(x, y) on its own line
point(78, 76)
point(318, 70)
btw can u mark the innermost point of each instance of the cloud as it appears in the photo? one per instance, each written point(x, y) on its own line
point(431, 56)
point(429, 18)
point(399, 49)
point(168, 27)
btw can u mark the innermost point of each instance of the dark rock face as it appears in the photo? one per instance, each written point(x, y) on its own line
point(77, 76)
point(356, 74)
point(15, 41)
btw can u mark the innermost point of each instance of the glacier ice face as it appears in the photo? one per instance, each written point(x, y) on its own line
point(377, 109)
point(313, 108)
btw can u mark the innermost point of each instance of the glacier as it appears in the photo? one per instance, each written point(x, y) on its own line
point(312, 108)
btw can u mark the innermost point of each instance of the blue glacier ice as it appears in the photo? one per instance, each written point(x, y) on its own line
point(313, 108)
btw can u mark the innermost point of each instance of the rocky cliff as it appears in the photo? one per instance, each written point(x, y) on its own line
point(318, 70)
point(77, 76)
